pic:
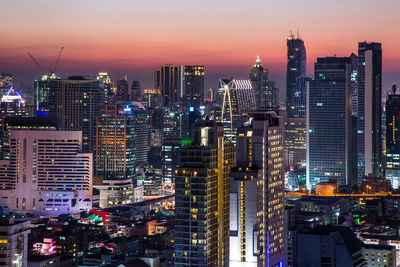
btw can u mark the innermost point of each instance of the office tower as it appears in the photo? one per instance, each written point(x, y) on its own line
point(369, 79)
point(202, 198)
point(257, 193)
point(6, 82)
point(76, 102)
point(42, 92)
point(106, 86)
point(153, 98)
point(170, 158)
point(168, 79)
point(136, 91)
point(259, 79)
point(296, 67)
point(329, 246)
point(46, 173)
point(193, 85)
point(12, 104)
point(175, 121)
point(331, 128)
point(393, 139)
point(235, 98)
point(14, 242)
point(122, 90)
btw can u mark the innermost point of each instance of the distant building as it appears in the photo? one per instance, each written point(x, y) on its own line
point(256, 225)
point(372, 184)
point(12, 104)
point(136, 91)
point(168, 79)
point(329, 246)
point(46, 174)
point(193, 85)
point(106, 86)
point(369, 80)
point(259, 79)
point(331, 127)
point(42, 93)
point(202, 198)
point(6, 82)
point(76, 102)
point(153, 98)
point(122, 90)
point(171, 156)
point(13, 242)
point(393, 139)
point(379, 255)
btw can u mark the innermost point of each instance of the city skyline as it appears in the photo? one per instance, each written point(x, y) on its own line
point(137, 38)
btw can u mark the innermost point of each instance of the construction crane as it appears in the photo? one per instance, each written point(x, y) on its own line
point(58, 59)
point(36, 63)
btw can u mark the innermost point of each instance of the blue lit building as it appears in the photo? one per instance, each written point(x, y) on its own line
point(330, 133)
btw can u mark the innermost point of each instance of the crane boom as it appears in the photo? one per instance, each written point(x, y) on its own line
point(58, 58)
point(36, 63)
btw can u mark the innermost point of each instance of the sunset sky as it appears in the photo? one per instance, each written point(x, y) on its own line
point(134, 36)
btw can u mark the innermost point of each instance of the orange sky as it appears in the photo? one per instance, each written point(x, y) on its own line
point(134, 36)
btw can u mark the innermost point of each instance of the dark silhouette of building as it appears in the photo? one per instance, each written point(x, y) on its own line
point(123, 90)
point(168, 79)
point(194, 85)
point(393, 138)
point(136, 91)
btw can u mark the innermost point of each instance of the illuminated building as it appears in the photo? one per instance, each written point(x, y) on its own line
point(106, 86)
point(379, 255)
point(393, 139)
point(136, 91)
point(168, 79)
point(153, 98)
point(122, 135)
point(296, 68)
point(12, 104)
point(122, 89)
point(331, 128)
point(13, 242)
point(76, 102)
point(6, 82)
point(170, 158)
point(42, 92)
point(235, 97)
point(257, 193)
point(46, 173)
point(202, 198)
point(194, 85)
point(259, 78)
point(369, 124)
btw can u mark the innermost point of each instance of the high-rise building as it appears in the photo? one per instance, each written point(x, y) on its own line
point(202, 198)
point(153, 98)
point(14, 242)
point(42, 92)
point(122, 90)
point(106, 86)
point(369, 80)
point(76, 102)
point(194, 85)
point(331, 128)
point(295, 124)
point(393, 139)
point(259, 78)
point(46, 173)
point(168, 79)
point(170, 159)
point(12, 104)
point(136, 91)
point(235, 98)
point(257, 193)
point(296, 67)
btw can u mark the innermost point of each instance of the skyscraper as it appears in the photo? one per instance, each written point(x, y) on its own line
point(235, 98)
point(106, 86)
point(136, 91)
point(42, 92)
point(202, 198)
point(259, 78)
point(257, 193)
point(194, 85)
point(122, 90)
point(121, 146)
point(46, 174)
point(168, 79)
point(296, 67)
point(76, 102)
point(295, 124)
point(369, 81)
point(331, 129)
point(393, 139)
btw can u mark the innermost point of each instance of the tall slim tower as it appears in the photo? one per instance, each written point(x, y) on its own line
point(257, 193)
point(136, 91)
point(202, 198)
point(259, 79)
point(194, 85)
point(295, 124)
point(168, 79)
point(331, 129)
point(123, 90)
point(369, 108)
point(76, 102)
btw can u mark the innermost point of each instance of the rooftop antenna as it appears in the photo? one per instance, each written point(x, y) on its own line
point(298, 35)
